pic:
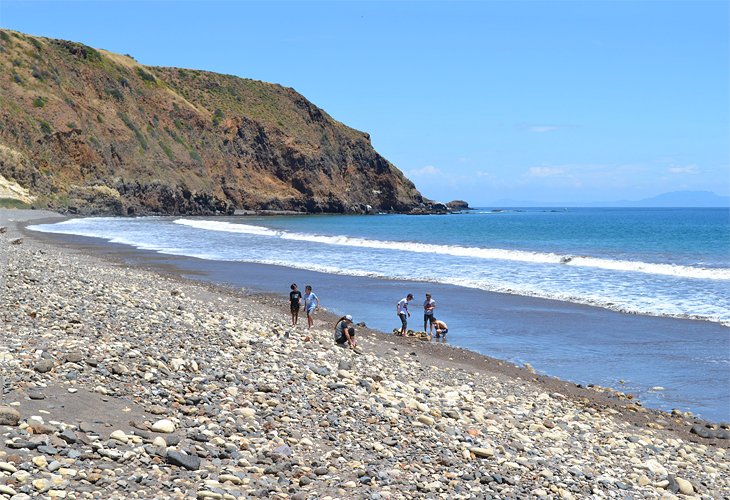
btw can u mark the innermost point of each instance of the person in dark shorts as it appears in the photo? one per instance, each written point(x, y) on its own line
point(428, 307)
point(401, 310)
point(345, 332)
point(295, 303)
point(441, 328)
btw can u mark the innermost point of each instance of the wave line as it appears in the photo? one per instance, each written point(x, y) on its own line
point(472, 252)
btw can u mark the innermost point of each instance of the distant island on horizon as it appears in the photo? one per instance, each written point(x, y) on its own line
point(679, 199)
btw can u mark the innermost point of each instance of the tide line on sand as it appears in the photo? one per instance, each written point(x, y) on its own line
point(192, 390)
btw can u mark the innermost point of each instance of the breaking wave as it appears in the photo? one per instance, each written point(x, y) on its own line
point(679, 271)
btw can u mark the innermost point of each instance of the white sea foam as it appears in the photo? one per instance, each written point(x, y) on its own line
point(609, 296)
point(473, 252)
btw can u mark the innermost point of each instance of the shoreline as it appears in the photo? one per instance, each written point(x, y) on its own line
point(610, 397)
point(514, 327)
point(499, 416)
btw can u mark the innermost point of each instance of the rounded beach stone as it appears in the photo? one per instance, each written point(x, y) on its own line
point(73, 357)
point(425, 419)
point(685, 487)
point(9, 416)
point(7, 490)
point(119, 436)
point(482, 452)
point(247, 412)
point(43, 366)
point(165, 426)
point(7, 467)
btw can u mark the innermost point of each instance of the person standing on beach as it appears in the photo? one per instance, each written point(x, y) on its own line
point(428, 306)
point(311, 302)
point(402, 310)
point(345, 332)
point(295, 302)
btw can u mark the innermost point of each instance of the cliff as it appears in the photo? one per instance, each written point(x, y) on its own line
point(88, 131)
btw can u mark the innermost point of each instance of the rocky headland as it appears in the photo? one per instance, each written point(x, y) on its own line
point(87, 131)
point(129, 383)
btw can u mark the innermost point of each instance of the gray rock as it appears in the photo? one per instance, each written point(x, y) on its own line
point(345, 364)
point(673, 485)
point(36, 395)
point(21, 444)
point(702, 431)
point(68, 435)
point(189, 462)
point(320, 370)
point(73, 357)
point(43, 366)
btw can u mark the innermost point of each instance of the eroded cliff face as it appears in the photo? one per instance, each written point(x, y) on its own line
point(94, 132)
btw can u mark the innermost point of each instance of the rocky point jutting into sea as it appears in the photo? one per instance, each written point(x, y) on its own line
point(129, 383)
point(92, 132)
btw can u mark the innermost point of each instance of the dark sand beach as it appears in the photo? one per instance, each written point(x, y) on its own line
point(128, 375)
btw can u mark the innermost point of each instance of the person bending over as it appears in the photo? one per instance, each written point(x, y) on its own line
point(345, 332)
point(440, 327)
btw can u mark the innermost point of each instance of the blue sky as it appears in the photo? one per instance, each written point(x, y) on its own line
point(546, 101)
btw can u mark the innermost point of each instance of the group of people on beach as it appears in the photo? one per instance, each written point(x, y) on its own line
point(344, 329)
point(429, 319)
point(309, 300)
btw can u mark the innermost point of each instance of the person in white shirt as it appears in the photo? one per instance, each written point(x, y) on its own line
point(402, 310)
point(428, 306)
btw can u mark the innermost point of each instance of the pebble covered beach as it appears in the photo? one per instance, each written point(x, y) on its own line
point(122, 382)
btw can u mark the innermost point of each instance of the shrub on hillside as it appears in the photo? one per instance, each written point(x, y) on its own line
point(46, 127)
point(146, 76)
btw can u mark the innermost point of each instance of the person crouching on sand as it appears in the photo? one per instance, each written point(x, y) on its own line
point(441, 328)
point(345, 332)
point(311, 302)
point(295, 302)
point(401, 309)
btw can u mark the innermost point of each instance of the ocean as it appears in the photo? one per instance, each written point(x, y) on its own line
point(634, 299)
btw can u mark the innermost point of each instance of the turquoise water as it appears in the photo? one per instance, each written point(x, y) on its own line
point(659, 262)
point(590, 295)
